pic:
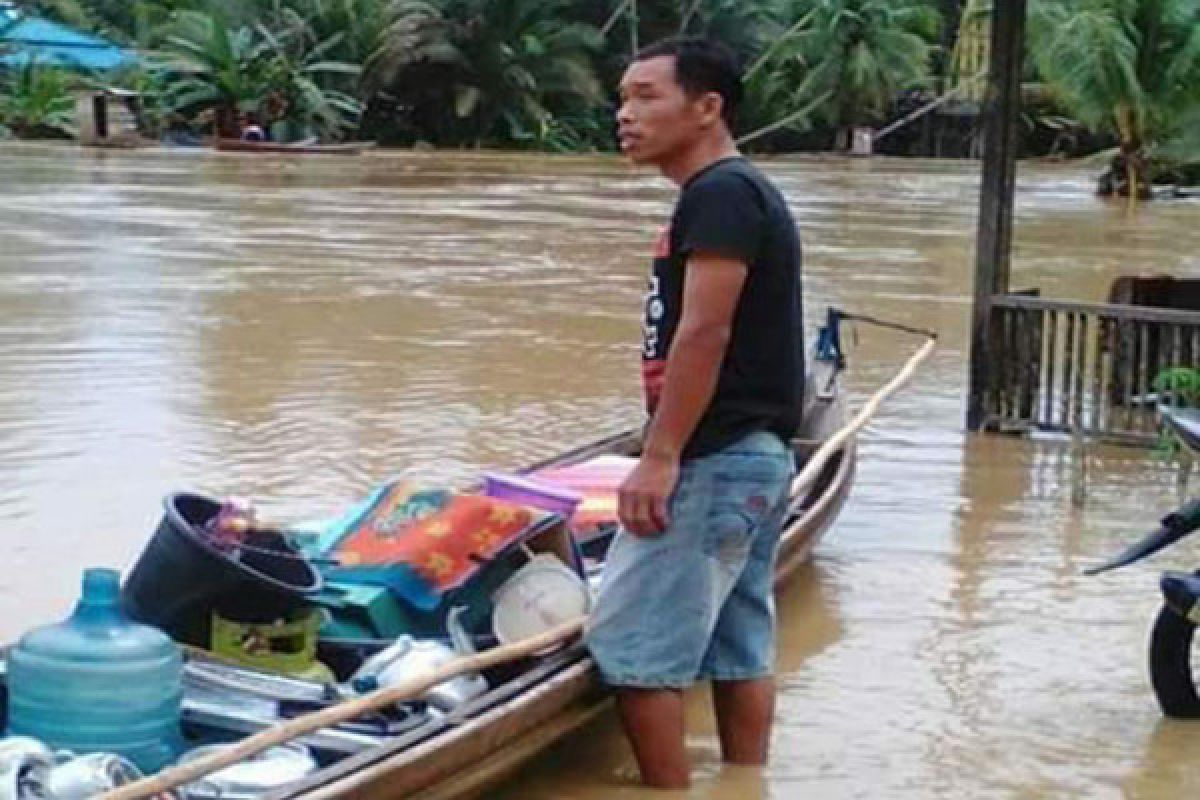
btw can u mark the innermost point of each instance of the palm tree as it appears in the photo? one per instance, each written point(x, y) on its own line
point(299, 94)
point(486, 71)
point(276, 74)
point(1126, 67)
point(216, 67)
point(746, 26)
point(1180, 151)
point(361, 23)
point(852, 57)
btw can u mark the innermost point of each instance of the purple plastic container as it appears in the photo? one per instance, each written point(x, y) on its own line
point(528, 492)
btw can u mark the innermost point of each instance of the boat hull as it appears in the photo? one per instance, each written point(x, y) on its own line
point(493, 737)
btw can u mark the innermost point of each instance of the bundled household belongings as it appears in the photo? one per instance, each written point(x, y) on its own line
point(424, 551)
point(426, 543)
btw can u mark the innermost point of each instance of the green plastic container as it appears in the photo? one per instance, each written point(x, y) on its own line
point(286, 647)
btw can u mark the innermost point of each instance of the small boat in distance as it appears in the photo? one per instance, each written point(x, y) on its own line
point(300, 148)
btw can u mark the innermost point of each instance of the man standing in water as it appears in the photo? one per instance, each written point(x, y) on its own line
point(687, 588)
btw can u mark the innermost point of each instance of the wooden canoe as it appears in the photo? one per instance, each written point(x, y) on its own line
point(296, 148)
point(486, 741)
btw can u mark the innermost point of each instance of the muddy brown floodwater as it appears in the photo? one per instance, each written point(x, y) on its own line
point(296, 330)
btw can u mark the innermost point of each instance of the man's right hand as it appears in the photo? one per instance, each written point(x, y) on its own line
point(643, 498)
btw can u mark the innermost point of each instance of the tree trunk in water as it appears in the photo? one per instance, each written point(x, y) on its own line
point(843, 139)
point(227, 123)
point(1129, 173)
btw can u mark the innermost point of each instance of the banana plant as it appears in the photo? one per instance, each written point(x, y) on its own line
point(36, 101)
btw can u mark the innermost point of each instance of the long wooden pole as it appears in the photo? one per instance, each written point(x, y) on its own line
point(814, 465)
point(192, 771)
point(993, 240)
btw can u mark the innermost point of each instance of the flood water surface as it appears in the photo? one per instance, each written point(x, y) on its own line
point(297, 330)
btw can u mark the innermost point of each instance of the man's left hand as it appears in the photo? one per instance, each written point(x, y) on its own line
point(644, 496)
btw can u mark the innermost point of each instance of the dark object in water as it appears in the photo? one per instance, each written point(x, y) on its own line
point(300, 148)
point(181, 578)
point(1171, 529)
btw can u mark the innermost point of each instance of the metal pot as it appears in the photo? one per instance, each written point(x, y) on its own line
point(271, 769)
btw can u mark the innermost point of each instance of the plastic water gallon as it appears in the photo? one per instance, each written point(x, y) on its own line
point(99, 682)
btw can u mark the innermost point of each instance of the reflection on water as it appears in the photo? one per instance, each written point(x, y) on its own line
point(297, 329)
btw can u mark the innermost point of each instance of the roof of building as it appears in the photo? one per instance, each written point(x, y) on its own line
point(25, 38)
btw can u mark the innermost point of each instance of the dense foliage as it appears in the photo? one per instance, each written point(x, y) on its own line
point(540, 73)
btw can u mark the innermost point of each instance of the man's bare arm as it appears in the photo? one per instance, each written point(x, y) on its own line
point(712, 286)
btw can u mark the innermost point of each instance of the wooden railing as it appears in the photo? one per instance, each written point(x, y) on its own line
point(1055, 365)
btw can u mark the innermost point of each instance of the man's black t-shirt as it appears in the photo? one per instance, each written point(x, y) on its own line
point(730, 209)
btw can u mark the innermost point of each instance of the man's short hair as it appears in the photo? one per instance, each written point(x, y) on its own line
point(702, 65)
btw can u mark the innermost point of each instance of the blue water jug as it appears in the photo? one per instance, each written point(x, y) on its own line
point(99, 682)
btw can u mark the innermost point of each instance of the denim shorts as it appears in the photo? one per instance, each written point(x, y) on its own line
point(696, 601)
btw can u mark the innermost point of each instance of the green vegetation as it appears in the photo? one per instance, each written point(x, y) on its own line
point(1176, 386)
point(1130, 68)
point(509, 73)
point(209, 64)
point(853, 57)
point(475, 72)
point(35, 102)
point(540, 74)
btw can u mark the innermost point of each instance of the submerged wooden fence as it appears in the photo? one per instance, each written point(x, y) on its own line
point(1062, 366)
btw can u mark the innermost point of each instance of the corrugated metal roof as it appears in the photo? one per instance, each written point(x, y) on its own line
point(8, 15)
point(26, 39)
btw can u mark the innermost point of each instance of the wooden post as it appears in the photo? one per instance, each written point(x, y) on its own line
point(993, 241)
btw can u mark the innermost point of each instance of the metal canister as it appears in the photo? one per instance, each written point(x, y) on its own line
point(249, 779)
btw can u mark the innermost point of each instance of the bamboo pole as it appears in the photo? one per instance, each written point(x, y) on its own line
point(813, 467)
point(247, 748)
